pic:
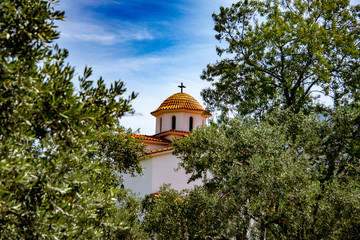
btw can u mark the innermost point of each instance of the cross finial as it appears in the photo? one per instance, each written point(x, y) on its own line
point(181, 87)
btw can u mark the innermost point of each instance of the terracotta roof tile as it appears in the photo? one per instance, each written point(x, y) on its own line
point(150, 138)
point(171, 131)
point(159, 150)
point(180, 101)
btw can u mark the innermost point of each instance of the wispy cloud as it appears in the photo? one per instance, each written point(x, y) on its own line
point(152, 45)
point(156, 77)
point(78, 31)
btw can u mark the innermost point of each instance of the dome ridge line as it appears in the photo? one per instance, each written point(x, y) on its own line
point(180, 101)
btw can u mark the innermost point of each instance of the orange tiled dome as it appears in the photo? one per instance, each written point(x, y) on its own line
point(180, 101)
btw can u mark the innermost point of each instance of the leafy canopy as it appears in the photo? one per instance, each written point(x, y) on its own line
point(187, 214)
point(284, 53)
point(289, 176)
point(59, 148)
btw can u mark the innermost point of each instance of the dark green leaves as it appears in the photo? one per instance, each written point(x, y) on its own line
point(60, 149)
point(295, 176)
point(194, 214)
point(284, 54)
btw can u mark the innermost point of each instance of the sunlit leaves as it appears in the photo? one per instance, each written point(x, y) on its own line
point(293, 175)
point(60, 148)
point(289, 51)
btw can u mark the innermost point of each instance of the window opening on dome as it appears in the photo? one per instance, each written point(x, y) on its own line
point(173, 122)
point(191, 124)
point(160, 124)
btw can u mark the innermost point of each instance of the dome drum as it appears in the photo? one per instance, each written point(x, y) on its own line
point(179, 112)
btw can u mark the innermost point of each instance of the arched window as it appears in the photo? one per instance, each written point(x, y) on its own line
point(191, 124)
point(160, 124)
point(173, 122)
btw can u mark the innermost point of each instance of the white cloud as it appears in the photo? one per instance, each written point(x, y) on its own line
point(154, 74)
point(86, 32)
point(156, 77)
point(68, 4)
point(78, 31)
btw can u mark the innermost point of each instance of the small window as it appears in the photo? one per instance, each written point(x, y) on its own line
point(173, 122)
point(191, 124)
point(160, 124)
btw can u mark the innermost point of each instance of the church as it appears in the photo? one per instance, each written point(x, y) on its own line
point(176, 117)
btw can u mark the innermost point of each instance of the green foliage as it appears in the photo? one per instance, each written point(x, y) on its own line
point(60, 149)
point(287, 166)
point(129, 214)
point(294, 176)
point(284, 53)
point(189, 214)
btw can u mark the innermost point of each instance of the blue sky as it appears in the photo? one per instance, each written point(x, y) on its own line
point(151, 45)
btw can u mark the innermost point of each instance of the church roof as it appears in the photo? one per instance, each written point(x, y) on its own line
point(150, 138)
point(171, 132)
point(180, 101)
point(159, 150)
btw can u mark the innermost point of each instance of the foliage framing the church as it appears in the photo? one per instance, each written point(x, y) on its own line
point(284, 53)
point(289, 176)
point(287, 171)
point(59, 148)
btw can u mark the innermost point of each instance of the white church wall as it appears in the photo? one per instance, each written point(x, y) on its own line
point(160, 167)
point(182, 121)
point(153, 146)
point(157, 127)
point(159, 170)
point(166, 122)
point(164, 173)
point(141, 184)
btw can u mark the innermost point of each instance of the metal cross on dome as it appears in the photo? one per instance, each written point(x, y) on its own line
point(181, 87)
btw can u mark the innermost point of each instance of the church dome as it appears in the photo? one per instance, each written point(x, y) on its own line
point(180, 101)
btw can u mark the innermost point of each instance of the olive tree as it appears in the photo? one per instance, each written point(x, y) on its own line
point(59, 148)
